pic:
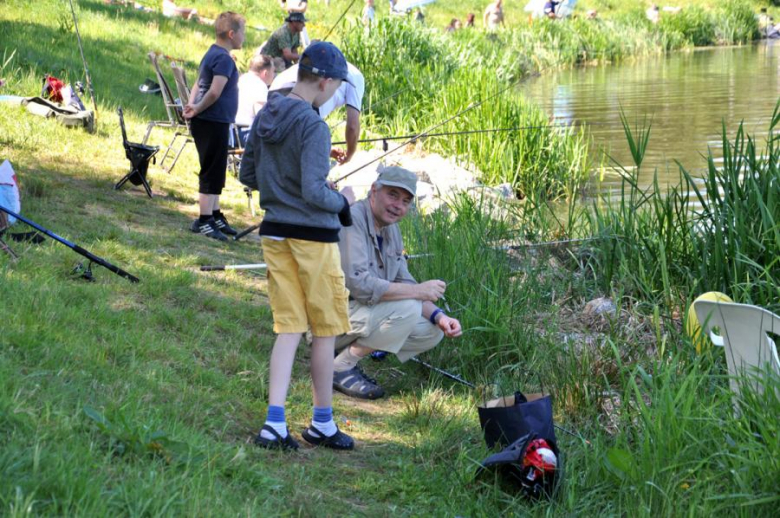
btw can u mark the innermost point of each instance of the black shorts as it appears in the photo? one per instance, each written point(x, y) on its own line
point(211, 139)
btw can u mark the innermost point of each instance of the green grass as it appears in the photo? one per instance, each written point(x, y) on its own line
point(142, 399)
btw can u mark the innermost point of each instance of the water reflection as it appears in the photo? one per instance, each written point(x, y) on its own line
point(686, 96)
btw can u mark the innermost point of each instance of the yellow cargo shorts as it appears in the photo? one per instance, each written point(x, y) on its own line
point(306, 287)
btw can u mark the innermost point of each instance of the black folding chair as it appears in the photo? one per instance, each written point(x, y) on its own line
point(139, 156)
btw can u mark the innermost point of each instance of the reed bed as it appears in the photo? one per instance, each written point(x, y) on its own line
point(664, 437)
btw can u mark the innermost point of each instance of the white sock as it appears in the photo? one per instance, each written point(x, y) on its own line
point(346, 360)
point(327, 429)
point(281, 429)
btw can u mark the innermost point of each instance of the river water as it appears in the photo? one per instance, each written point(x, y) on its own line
point(687, 96)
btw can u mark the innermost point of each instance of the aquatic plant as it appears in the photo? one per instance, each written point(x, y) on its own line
point(716, 233)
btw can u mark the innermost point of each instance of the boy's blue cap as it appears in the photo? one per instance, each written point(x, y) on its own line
point(326, 60)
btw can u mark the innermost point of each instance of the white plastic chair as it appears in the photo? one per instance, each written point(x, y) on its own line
point(742, 330)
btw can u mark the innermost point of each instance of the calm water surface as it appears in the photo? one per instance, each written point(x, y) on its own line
point(687, 96)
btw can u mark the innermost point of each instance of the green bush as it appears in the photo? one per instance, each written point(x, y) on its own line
point(737, 23)
point(692, 24)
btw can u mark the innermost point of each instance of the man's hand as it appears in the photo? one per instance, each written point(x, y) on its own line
point(449, 325)
point(339, 155)
point(431, 290)
point(348, 194)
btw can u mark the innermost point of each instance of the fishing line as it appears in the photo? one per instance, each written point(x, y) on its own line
point(370, 106)
point(84, 61)
point(457, 378)
point(468, 108)
point(470, 132)
point(339, 20)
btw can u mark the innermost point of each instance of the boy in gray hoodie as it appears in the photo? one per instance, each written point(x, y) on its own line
point(287, 159)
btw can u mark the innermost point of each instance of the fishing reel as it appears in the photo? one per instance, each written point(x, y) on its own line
point(83, 272)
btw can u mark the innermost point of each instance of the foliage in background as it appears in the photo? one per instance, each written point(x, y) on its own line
point(416, 73)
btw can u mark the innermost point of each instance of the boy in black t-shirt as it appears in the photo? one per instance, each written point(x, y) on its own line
point(211, 110)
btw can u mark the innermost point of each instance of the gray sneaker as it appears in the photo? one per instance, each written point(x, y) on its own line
point(356, 384)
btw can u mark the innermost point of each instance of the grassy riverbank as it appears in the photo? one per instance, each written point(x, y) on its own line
point(123, 399)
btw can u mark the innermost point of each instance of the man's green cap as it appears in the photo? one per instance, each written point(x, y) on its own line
point(395, 176)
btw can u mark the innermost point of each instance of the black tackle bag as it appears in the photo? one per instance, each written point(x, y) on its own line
point(506, 419)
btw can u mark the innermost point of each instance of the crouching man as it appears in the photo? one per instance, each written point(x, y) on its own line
point(388, 310)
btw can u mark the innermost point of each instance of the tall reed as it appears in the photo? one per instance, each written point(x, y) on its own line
point(722, 235)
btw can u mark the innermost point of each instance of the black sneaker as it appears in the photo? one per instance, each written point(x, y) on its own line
point(208, 228)
point(223, 225)
point(337, 441)
point(356, 384)
point(277, 443)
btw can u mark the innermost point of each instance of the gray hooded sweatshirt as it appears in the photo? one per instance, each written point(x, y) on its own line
point(287, 158)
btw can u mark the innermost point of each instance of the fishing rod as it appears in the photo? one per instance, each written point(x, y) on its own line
point(223, 267)
point(468, 108)
point(263, 266)
point(370, 106)
point(462, 381)
point(84, 62)
point(76, 248)
point(245, 232)
point(339, 20)
point(464, 132)
point(444, 373)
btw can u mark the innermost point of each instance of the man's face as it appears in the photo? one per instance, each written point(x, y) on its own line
point(389, 204)
point(297, 26)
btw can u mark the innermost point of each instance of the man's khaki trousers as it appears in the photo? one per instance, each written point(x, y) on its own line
point(396, 327)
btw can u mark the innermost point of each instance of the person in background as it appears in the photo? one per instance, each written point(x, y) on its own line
point(369, 13)
point(493, 17)
point(550, 8)
point(349, 95)
point(470, 21)
point(253, 92)
point(295, 6)
point(171, 10)
point(419, 17)
point(211, 111)
point(453, 26)
point(299, 6)
point(653, 13)
point(285, 40)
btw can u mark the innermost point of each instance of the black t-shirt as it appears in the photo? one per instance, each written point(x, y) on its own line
point(218, 62)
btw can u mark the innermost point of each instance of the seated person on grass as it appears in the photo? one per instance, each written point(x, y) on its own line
point(253, 92)
point(388, 310)
point(285, 40)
